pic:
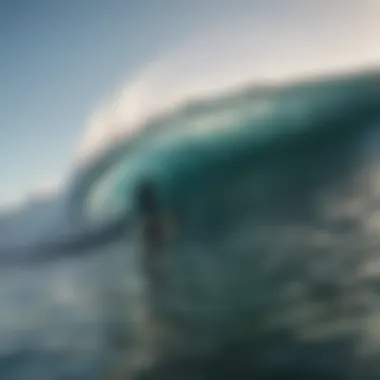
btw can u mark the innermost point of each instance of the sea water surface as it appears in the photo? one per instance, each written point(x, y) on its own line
point(75, 313)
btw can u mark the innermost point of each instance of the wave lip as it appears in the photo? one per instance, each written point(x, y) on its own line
point(248, 117)
point(235, 51)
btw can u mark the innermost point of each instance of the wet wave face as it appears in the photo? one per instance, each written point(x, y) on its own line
point(252, 218)
point(232, 237)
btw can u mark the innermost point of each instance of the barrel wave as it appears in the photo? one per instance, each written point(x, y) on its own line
point(234, 237)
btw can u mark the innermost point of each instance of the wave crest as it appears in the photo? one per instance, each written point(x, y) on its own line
point(236, 53)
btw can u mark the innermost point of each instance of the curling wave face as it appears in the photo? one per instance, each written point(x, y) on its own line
point(268, 196)
point(233, 238)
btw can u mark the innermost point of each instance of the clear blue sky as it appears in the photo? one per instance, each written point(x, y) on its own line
point(60, 58)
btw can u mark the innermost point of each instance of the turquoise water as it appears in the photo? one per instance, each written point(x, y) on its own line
point(250, 122)
point(262, 271)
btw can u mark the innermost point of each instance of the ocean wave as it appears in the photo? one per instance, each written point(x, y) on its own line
point(92, 304)
point(252, 115)
point(272, 188)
